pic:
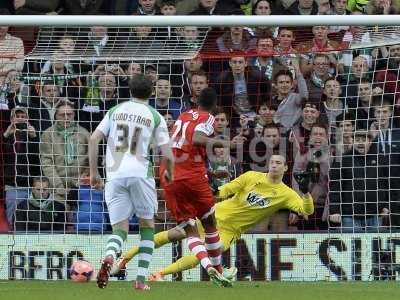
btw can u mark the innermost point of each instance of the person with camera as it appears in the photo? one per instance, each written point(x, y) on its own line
point(20, 159)
point(315, 163)
point(358, 195)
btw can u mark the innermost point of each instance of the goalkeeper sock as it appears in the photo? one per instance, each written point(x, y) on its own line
point(213, 246)
point(160, 239)
point(146, 247)
point(182, 264)
point(196, 246)
point(115, 241)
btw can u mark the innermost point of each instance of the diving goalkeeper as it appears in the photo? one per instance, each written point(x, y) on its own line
point(250, 198)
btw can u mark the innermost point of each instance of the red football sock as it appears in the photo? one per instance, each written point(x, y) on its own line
point(196, 246)
point(213, 246)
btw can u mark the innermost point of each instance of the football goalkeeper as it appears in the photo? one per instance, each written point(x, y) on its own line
point(250, 198)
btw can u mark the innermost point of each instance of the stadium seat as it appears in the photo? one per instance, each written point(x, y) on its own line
point(90, 215)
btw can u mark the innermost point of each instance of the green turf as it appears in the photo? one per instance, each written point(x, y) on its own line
point(60, 290)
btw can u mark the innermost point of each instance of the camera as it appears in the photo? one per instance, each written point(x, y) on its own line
point(111, 68)
point(317, 154)
point(313, 166)
point(21, 126)
point(251, 124)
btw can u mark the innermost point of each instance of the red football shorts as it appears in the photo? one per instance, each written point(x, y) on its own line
point(188, 199)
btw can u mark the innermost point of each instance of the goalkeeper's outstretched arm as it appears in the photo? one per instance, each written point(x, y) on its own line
point(235, 185)
point(303, 205)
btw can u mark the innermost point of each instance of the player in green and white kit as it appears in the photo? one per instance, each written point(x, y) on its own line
point(131, 128)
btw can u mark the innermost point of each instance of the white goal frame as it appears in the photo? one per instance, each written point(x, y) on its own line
point(275, 20)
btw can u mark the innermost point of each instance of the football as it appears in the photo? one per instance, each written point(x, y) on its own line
point(81, 271)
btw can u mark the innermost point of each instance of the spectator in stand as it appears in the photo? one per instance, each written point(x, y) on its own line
point(168, 7)
point(190, 66)
point(332, 104)
point(389, 77)
point(40, 211)
point(339, 8)
point(264, 8)
point(190, 36)
point(242, 140)
point(269, 143)
point(265, 115)
point(358, 188)
point(221, 168)
point(41, 111)
point(386, 137)
point(36, 7)
point(324, 7)
point(286, 58)
point(11, 49)
point(359, 70)
point(264, 61)
point(163, 101)
point(147, 8)
point(302, 7)
point(320, 43)
point(13, 91)
point(221, 123)
point(382, 129)
point(150, 70)
point(288, 102)
point(66, 47)
point(381, 7)
point(236, 38)
point(315, 161)
point(169, 119)
point(300, 134)
point(134, 69)
point(198, 82)
point(362, 106)
point(241, 89)
point(344, 135)
point(123, 77)
point(20, 159)
point(317, 78)
point(92, 45)
point(63, 75)
point(64, 152)
point(98, 100)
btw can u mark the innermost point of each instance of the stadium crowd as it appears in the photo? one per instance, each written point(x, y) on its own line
point(299, 92)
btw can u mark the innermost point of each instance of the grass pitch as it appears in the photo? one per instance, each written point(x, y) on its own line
point(60, 290)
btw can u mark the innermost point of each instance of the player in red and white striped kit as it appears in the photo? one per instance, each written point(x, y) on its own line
point(189, 196)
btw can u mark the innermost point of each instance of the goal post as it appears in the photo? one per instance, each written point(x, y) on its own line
point(87, 62)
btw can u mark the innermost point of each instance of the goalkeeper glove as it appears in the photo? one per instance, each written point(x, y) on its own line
point(303, 179)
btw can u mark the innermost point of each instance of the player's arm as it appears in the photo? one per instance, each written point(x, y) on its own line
point(162, 140)
point(202, 139)
point(235, 185)
point(169, 161)
point(99, 134)
point(303, 205)
point(94, 141)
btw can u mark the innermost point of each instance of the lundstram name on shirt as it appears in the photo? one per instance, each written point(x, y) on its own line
point(132, 118)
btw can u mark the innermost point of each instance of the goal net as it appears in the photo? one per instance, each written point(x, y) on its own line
point(324, 97)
